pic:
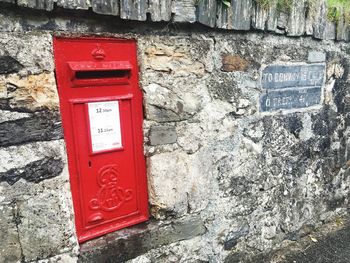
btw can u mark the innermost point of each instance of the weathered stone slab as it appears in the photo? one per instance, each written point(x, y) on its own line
point(272, 17)
point(37, 4)
point(160, 10)
point(106, 7)
point(320, 20)
point(316, 56)
point(223, 13)
point(343, 28)
point(207, 12)
point(238, 16)
point(184, 11)
point(330, 31)
point(128, 243)
point(241, 14)
point(29, 153)
point(133, 9)
point(283, 76)
point(41, 126)
point(259, 17)
point(290, 99)
point(34, 172)
point(282, 22)
point(296, 20)
point(74, 4)
point(162, 135)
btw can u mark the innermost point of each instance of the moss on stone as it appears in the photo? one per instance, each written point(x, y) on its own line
point(338, 9)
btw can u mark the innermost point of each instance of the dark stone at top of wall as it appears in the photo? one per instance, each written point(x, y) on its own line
point(131, 242)
point(38, 4)
point(241, 15)
point(9, 65)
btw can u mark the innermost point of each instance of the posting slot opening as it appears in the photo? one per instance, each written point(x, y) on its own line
point(90, 74)
point(102, 74)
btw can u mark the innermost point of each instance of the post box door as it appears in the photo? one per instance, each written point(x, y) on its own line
point(101, 107)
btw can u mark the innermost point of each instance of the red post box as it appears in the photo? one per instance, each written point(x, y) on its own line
point(101, 108)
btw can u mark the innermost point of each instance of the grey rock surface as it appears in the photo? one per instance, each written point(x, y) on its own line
point(162, 135)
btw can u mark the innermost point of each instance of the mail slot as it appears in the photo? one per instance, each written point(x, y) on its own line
point(101, 108)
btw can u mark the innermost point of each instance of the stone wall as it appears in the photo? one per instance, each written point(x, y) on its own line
point(293, 18)
point(226, 181)
point(36, 213)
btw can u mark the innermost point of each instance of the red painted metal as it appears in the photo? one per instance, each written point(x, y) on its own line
point(108, 184)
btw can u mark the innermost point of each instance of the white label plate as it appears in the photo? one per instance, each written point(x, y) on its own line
point(105, 126)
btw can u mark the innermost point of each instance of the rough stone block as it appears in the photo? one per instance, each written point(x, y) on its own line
point(10, 247)
point(45, 226)
point(241, 14)
point(37, 4)
point(296, 20)
point(9, 65)
point(237, 17)
point(133, 9)
point(35, 172)
point(74, 4)
point(207, 12)
point(282, 21)
point(234, 63)
point(316, 56)
point(223, 13)
point(172, 59)
point(184, 11)
point(21, 47)
point(259, 17)
point(31, 154)
point(106, 7)
point(175, 186)
point(272, 17)
point(132, 242)
point(41, 126)
point(320, 20)
point(31, 93)
point(162, 135)
point(160, 10)
point(330, 31)
point(343, 28)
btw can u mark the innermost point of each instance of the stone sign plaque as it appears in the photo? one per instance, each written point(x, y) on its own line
point(290, 99)
point(291, 86)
